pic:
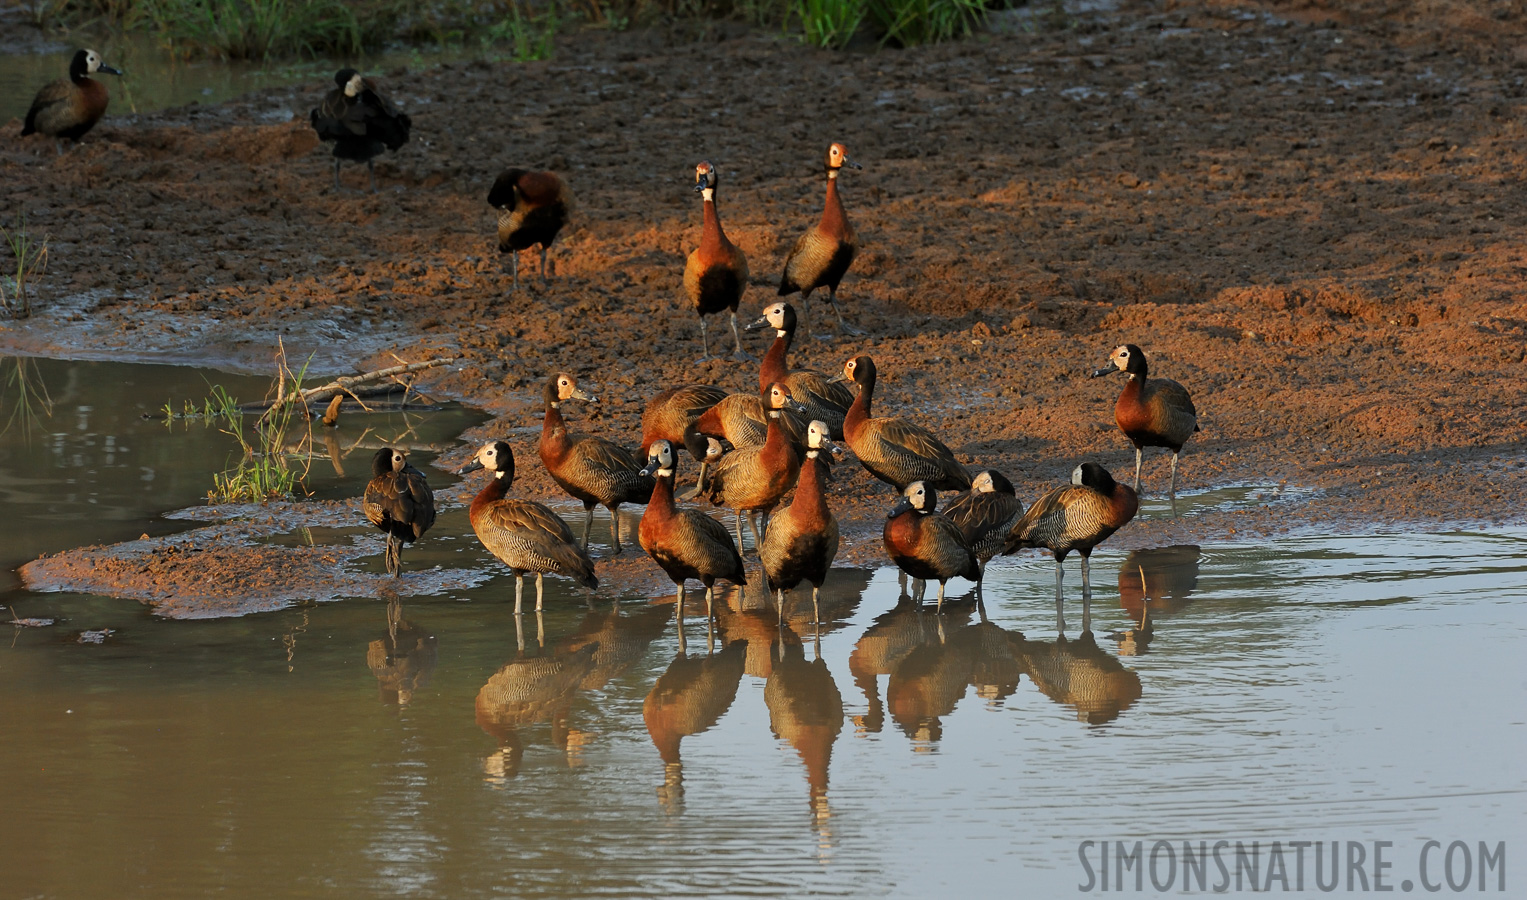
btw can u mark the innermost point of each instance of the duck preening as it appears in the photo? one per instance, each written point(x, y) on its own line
point(821, 256)
point(399, 502)
point(533, 208)
point(716, 274)
point(824, 399)
point(924, 544)
point(595, 471)
point(986, 513)
point(802, 540)
point(1151, 413)
point(895, 450)
point(1077, 516)
point(70, 107)
point(361, 121)
point(754, 479)
point(525, 535)
point(668, 415)
point(685, 543)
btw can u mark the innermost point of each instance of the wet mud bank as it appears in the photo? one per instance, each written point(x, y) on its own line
point(1311, 221)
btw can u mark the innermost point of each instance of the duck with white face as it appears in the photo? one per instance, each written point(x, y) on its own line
point(685, 543)
point(68, 108)
point(821, 256)
point(1152, 412)
point(360, 121)
point(924, 543)
point(716, 272)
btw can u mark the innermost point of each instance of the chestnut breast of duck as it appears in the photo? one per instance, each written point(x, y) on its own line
point(894, 450)
point(685, 543)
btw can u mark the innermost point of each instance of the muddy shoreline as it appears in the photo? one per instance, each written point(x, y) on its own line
point(1311, 220)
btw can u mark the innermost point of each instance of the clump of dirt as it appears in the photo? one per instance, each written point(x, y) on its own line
point(1308, 216)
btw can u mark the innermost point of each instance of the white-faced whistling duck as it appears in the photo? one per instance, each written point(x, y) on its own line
point(685, 543)
point(895, 450)
point(824, 399)
point(742, 420)
point(755, 479)
point(533, 208)
point(716, 274)
point(821, 256)
point(1077, 516)
point(986, 513)
point(399, 502)
point(802, 539)
point(925, 544)
point(594, 470)
point(361, 121)
point(669, 414)
point(69, 107)
point(1157, 413)
point(525, 535)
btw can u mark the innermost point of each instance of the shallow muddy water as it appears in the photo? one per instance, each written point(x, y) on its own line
point(1322, 688)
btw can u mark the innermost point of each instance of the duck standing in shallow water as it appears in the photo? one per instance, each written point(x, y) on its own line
point(361, 122)
point(716, 273)
point(925, 544)
point(821, 256)
point(70, 107)
point(802, 540)
point(986, 513)
point(399, 502)
point(755, 479)
point(685, 543)
point(1077, 516)
point(533, 208)
point(1156, 413)
point(525, 535)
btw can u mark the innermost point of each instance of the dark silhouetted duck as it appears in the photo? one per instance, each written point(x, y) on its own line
point(1077, 516)
point(754, 479)
point(533, 208)
point(802, 540)
point(594, 470)
point(895, 450)
point(986, 513)
point(69, 107)
point(525, 535)
point(399, 502)
point(821, 256)
point(824, 399)
point(716, 274)
point(669, 414)
point(361, 122)
point(925, 544)
point(685, 543)
point(1155, 413)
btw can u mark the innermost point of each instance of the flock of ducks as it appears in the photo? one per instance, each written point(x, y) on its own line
point(753, 449)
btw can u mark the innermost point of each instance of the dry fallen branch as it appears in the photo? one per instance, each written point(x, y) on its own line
point(343, 385)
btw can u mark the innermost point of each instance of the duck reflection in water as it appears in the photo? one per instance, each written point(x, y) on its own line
point(1080, 674)
point(890, 642)
point(691, 696)
point(529, 690)
point(1151, 583)
point(806, 710)
point(751, 614)
point(403, 659)
point(622, 640)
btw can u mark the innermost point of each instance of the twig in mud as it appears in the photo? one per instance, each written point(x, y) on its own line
point(306, 395)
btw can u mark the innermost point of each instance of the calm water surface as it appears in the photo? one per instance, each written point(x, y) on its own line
point(1331, 688)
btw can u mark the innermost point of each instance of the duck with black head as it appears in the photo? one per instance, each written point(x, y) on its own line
point(525, 535)
point(1076, 516)
point(68, 108)
point(361, 122)
point(533, 208)
point(821, 256)
point(399, 502)
point(716, 273)
point(1151, 413)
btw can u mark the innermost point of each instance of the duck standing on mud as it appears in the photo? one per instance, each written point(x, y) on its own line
point(361, 122)
point(70, 107)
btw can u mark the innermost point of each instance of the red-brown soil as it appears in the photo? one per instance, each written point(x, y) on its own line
point(1310, 216)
